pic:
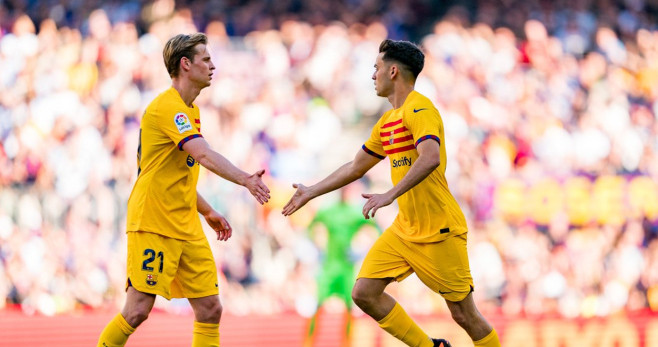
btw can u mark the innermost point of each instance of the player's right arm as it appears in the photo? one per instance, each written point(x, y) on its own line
point(199, 149)
point(344, 175)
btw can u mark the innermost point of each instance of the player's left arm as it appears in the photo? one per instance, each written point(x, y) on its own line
point(429, 158)
point(214, 218)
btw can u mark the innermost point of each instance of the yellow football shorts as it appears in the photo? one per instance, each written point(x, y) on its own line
point(170, 267)
point(441, 266)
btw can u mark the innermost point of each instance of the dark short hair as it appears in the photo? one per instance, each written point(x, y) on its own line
point(181, 46)
point(405, 53)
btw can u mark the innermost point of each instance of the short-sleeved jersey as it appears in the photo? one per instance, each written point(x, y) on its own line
point(164, 200)
point(427, 212)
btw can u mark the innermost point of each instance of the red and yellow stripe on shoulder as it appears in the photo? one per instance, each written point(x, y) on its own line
point(396, 137)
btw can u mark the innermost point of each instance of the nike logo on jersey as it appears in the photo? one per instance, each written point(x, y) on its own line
point(418, 110)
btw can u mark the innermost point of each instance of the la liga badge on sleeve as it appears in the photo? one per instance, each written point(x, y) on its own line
point(182, 122)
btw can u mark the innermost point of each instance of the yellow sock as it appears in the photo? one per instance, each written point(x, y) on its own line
point(116, 332)
point(400, 325)
point(490, 340)
point(205, 335)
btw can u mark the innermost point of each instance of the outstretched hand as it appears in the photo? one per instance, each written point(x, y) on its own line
point(375, 201)
point(257, 187)
point(218, 223)
point(299, 199)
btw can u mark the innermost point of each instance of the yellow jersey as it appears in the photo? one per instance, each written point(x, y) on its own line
point(427, 212)
point(164, 199)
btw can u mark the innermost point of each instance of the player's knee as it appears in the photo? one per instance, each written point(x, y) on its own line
point(216, 312)
point(136, 316)
point(460, 318)
point(361, 297)
point(211, 313)
point(467, 318)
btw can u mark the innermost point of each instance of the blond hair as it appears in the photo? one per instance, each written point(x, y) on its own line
point(180, 46)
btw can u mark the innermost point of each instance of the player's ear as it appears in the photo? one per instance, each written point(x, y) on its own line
point(394, 71)
point(185, 63)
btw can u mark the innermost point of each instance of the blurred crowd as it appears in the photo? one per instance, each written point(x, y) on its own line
point(550, 116)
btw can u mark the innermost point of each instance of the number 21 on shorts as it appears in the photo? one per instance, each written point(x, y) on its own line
point(150, 257)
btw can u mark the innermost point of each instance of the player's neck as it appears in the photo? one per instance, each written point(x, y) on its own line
point(187, 91)
point(400, 93)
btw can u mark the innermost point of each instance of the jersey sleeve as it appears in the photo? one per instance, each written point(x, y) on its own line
point(373, 145)
point(179, 125)
point(425, 123)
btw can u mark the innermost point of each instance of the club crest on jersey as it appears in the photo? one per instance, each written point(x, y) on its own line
point(190, 161)
point(182, 122)
point(151, 279)
point(390, 140)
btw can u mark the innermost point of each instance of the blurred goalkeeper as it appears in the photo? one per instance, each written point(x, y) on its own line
point(335, 229)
